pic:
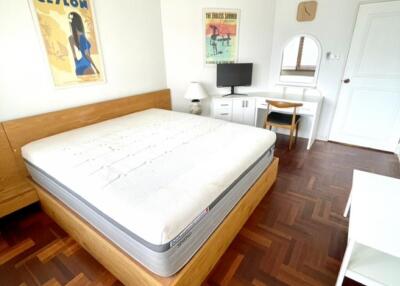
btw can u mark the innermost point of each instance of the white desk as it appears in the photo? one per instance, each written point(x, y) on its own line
point(245, 109)
point(373, 252)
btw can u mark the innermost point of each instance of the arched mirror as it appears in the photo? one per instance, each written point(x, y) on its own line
point(300, 61)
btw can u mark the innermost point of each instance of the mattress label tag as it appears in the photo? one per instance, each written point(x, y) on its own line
point(184, 235)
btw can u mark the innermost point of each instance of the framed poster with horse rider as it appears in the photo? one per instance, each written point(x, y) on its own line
point(221, 29)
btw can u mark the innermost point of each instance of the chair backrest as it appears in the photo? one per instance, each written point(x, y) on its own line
point(283, 104)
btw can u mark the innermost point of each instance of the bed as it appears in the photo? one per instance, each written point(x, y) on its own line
point(149, 193)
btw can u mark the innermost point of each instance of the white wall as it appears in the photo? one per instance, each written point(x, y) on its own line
point(333, 27)
point(184, 43)
point(266, 25)
point(130, 35)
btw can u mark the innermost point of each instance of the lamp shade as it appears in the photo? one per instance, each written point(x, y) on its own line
point(195, 91)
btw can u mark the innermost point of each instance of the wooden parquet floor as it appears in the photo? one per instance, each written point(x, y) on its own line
point(296, 236)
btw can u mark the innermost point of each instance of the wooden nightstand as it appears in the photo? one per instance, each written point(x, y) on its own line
point(16, 191)
point(16, 195)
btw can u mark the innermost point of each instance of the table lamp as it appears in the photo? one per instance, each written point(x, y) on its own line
point(195, 93)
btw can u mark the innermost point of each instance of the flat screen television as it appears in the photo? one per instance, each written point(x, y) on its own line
point(231, 75)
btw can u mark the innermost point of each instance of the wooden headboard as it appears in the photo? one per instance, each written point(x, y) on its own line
point(25, 130)
point(16, 133)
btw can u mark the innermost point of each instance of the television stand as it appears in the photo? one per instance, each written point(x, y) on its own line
point(234, 93)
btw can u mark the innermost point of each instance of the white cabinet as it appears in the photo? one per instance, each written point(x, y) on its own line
point(249, 111)
point(240, 110)
point(245, 109)
point(222, 108)
point(237, 110)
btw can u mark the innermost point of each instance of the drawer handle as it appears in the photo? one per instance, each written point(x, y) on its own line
point(224, 114)
point(225, 104)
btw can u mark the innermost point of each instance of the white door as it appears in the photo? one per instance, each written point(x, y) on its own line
point(368, 110)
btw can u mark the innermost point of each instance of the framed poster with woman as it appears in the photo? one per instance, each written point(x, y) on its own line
point(69, 34)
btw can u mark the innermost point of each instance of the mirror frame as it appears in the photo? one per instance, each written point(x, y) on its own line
point(317, 69)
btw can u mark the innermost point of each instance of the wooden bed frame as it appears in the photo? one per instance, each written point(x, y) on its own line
point(126, 269)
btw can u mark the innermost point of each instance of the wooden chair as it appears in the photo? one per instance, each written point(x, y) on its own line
point(283, 120)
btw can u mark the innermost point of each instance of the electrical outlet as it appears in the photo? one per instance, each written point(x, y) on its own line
point(332, 56)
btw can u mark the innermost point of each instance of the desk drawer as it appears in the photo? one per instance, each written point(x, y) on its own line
point(304, 110)
point(307, 108)
point(222, 103)
point(223, 113)
point(261, 103)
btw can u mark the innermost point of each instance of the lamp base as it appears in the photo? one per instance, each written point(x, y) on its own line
point(195, 107)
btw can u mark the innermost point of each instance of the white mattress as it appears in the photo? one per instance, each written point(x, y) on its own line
point(164, 260)
point(153, 172)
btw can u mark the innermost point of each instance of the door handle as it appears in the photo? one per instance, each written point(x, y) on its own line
point(346, 81)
